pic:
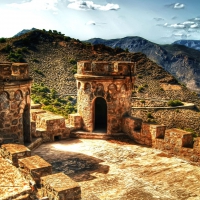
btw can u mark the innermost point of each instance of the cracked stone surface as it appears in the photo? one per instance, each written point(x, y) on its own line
point(12, 184)
point(120, 170)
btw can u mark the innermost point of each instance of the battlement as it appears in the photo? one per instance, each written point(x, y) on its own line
point(14, 72)
point(106, 68)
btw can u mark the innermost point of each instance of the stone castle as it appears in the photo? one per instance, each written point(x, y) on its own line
point(104, 92)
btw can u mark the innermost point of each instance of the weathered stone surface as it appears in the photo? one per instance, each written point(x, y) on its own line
point(12, 184)
point(14, 152)
point(59, 186)
point(34, 167)
point(15, 103)
point(118, 170)
point(104, 94)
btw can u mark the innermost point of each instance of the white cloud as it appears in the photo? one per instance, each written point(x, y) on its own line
point(36, 5)
point(194, 25)
point(179, 5)
point(90, 5)
point(158, 19)
point(91, 23)
point(177, 25)
point(176, 5)
point(188, 23)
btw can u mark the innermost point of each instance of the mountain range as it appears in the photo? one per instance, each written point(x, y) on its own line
point(181, 61)
point(194, 44)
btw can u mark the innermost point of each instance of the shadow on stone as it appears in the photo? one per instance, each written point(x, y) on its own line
point(76, 165)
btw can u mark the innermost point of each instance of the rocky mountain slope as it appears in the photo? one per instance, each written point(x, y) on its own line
point(194, 44)
point(24, 31)
point(182, 62)
point(52, 59)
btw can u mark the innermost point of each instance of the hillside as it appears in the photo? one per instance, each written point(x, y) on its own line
point(52, 59)
point(180, 61)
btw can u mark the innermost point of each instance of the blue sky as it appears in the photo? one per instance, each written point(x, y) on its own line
point(160, 21)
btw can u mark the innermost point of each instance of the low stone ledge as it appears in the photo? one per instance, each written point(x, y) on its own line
point(34, 167)
point(35, 112)
point(14, 152)
point(59, 186)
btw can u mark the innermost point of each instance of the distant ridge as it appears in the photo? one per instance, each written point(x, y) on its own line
point(194, 44)
point(24, 31)
point(180, 61)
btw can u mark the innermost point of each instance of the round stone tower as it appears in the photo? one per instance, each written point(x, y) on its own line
point(104, 94)
point(15, 86)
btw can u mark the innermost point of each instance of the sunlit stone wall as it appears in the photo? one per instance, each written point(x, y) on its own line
point(15, 86)
point(111, 81)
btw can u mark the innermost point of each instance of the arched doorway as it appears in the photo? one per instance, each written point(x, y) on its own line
point(100, 114)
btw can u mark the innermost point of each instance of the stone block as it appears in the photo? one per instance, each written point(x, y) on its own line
point(60, 187)
point(35, 112)
point(34, 167)
point(75, 120)
point(14, 152)
point(179, 138)
point(196, 145)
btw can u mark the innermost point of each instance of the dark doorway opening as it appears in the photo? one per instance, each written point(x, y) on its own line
point(100, 114)
point(26, 124)
point(57, 137)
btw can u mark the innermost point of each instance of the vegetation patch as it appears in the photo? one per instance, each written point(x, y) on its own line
point(39, 72)
point(2, 40)
point(174, 103)
point(51, 101)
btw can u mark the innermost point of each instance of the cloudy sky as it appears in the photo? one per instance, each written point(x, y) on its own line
point(160, 21)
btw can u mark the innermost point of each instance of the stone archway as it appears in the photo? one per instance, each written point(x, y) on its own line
point(100, 114)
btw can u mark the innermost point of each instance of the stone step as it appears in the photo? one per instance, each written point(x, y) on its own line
point(36, 106)
point(39, 131)
point(94, 135)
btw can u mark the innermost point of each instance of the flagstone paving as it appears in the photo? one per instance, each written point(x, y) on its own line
point(119, 170)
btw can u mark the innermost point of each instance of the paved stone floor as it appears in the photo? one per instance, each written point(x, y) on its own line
point(111, 170)
point(12, 184)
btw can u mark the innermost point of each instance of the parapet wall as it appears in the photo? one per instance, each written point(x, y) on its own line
point(14, 71)
point(174, 142)
point(104, 68)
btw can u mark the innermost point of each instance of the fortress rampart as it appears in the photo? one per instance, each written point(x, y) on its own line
point(15, 88)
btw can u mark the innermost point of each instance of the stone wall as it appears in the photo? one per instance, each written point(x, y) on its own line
point(110, 82)
point(48, 126)
point(176, 118)
point(174, 142)
point(14, 103)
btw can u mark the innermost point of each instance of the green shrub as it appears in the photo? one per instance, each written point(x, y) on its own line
point(72, 61)
point(194, 134)
point(67, 39)
point(149, 115)
point(39, 72)
point(74, 69)
point(2, 40)
point(174, 103)
point(140, 76)
point(7, 49)
point(140, 88)
point(35, 60)
point(15, 57)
